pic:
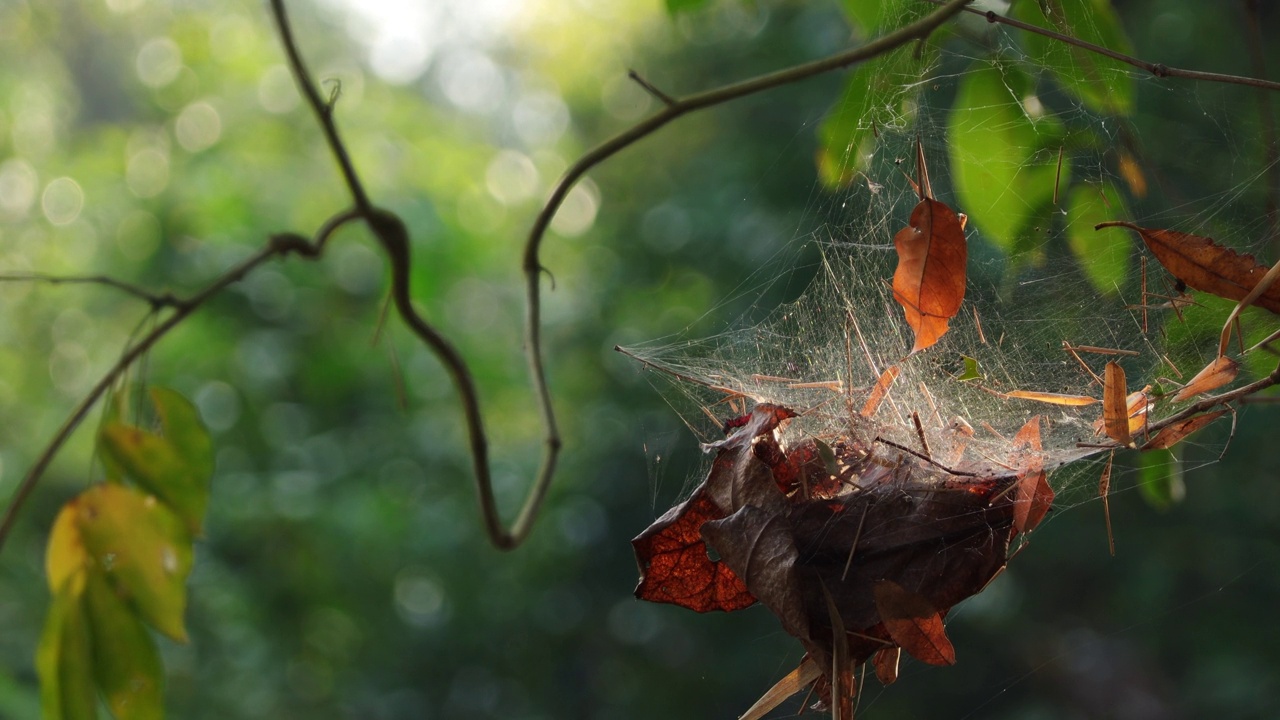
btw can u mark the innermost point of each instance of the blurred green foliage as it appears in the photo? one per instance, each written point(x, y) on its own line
point(344, 574)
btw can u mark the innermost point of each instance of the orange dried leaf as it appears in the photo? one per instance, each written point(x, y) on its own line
point(913, 623)
point(1216, 374)
point(1206, 266)
point(1033, 499)
point(1052, 398)
point(886, 664)
point(929, 282)
point(1028, 436)
point(1177, 432)
point(1115, 406)
point(880, 391)
point(795, 681)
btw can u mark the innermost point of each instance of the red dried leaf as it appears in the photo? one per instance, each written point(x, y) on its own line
point(914, 623)
point(929, 282)
point(675, 567)
point(1115, 406)
point(1206, 266)
point(1177, 432)
point(886, 664)
point(1216, 374)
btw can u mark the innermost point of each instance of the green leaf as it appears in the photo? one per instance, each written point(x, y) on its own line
point(144, 549)
point(176, 466)
point(971, 371)
point(872, 15)
point(874, 100)
point(64, 660)
point(1005, 162)
point(1099, 82)
point(126, 664)
point(675, 7)
point(1104, 257)
point(1160, 477)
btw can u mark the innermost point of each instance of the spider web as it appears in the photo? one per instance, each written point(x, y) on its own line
point(1031, 291)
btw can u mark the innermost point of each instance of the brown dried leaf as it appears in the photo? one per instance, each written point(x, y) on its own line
point(1033, 500)
point(1206, 266)
point(914, 623)
point(929, 282)
point(795, 681)
point(1177, 432)
point(1216, 374)
point(1115, 406)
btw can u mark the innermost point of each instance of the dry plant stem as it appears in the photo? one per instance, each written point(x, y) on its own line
point(1158, 69)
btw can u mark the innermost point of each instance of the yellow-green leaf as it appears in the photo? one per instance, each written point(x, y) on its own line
point(64, 661)
point(176, 466)
point(143, 548)
point(1160, 479)
point(1099, 82)
point(65, 558)
point(1104, 257)
point(126, 664)
point(1004, 160)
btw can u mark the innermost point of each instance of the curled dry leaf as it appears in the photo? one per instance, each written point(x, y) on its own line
point(794, 534)
point(1205, 265)
point(1216, 374)
point(1177, 432)
point(929, 282)
point(886, 664)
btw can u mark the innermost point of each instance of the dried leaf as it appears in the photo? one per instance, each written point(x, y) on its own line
point(880, 390)
point(886, 664)
point(1206, 266)
point(929, 282)
point(1115, 407)
point(675, 568)
point(795, 681)
point(1033, 500)
point(1177, 432)
point(914, 623)
point(1216, 374)
point(1052, 398)
point(1028, 436)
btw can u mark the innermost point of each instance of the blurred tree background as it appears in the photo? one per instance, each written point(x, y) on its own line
point(345, 573)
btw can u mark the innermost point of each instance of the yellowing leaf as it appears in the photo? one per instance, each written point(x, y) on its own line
point(1052, 398)
point(65, 557)
point(144, 550)
point(176, 466)
point(125, 662)
point(64, 661)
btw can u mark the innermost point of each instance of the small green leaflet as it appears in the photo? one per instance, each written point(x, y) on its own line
point(971, 371)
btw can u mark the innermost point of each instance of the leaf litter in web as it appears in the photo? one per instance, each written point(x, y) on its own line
point(894, 431)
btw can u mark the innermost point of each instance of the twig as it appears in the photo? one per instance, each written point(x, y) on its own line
point(650, 88)
point(156, 300)
point(1158, 69)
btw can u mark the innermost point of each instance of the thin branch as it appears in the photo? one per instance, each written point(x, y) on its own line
point(650, 88)
point(156, 300)
point(1158, 69)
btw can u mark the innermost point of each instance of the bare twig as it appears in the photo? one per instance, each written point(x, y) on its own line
point(157, 301)
point(1158, 69)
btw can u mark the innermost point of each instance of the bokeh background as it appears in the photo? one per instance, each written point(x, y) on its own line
point(345, 574)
